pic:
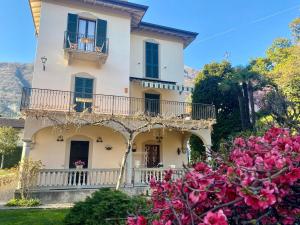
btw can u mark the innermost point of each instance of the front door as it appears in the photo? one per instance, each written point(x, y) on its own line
point(152, 155)
point(152, 104)
point(79, 151)
point(83, 98)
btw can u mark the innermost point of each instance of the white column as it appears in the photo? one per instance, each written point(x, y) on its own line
point(129, 168)
point(25, 155)
point(26, 149)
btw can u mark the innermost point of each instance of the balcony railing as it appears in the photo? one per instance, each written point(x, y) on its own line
point(66, 101)
point(97, 178)
point(83, 46)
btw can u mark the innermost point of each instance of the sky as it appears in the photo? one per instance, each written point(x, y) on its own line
point(234, 29)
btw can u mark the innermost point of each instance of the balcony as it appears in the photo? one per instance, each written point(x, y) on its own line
point(66, 101)
point(83, 47)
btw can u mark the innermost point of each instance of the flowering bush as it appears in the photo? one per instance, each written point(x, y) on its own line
point(258, 185)
point(79, 163)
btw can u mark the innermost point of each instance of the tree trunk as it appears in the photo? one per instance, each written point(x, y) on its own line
point(242, 111)
point(246, 105)
point(251, 99)
point(2, 161)
point(124, 160)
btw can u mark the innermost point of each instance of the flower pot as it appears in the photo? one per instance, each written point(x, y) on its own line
point(79, 167)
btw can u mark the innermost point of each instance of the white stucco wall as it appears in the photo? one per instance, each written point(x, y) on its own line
point(172, 140)
point(171, 63)
point(111, 78)
point(55, 154)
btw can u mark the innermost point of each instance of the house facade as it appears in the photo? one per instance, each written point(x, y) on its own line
point(101, 72)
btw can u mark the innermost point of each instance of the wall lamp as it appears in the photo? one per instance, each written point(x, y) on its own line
point(44, 60)
point(60, 138)
point(99, 140)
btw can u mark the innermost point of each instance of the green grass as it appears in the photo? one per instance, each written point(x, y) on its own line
point(33, 216)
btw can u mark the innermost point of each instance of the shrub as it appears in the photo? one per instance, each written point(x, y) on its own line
point(22, 202)
point(104, 207)
point(13, 158)
point(259, 184)
point(28, 175)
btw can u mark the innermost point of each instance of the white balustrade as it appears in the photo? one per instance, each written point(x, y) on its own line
point(143, 176)
point(97, 178)
point(74, 178)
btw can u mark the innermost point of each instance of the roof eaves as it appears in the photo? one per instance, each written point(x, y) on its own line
point(127, 4)
point(170, 29)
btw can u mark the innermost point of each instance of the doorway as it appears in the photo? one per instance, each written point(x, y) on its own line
point(152, 155)
point(79, 151)
point(152, 104)
point(86, 35)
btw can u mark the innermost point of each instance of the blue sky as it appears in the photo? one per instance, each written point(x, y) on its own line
point(243, 28)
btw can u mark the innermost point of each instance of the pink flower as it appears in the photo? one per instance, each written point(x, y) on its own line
point(240, 142)
point(197, 196)
point(294, 175)
point(217, 218)
point(140, 220)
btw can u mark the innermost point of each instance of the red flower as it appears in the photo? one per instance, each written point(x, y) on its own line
point(217, 218)
point(140, 220)
point(294, 175)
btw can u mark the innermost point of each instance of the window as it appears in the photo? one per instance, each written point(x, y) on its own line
point(152, 60)
point(83, 94)
point(85, 34)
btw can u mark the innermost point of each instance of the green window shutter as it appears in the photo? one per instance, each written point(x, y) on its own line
point(101, 34)
point(71, 29)
point(152, 60)
point(83, 89)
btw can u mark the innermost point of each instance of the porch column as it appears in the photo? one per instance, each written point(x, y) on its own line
point(129, 169)
point(25, 155)
point(26, 149)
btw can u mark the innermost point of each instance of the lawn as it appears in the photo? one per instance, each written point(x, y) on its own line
point(32, 216)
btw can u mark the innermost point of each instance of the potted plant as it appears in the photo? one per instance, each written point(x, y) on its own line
point(79, 164)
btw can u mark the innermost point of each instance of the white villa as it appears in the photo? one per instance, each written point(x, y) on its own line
point(98, 65)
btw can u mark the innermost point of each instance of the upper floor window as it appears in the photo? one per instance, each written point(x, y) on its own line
point(152, 70)
point(85, 34)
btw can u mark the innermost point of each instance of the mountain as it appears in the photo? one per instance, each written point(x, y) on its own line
point(13, 76)
point(189, 76)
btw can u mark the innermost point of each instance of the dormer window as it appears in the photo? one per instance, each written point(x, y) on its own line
point(152, 70)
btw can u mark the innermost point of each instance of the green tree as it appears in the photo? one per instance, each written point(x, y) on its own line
point(8, 142)
point(295, 28)
point(207, 90)
point(279, 50)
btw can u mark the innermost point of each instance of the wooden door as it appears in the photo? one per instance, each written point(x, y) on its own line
point(152, 155)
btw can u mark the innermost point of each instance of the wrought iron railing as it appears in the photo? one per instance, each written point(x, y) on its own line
point(55, 100)
point(85, 43)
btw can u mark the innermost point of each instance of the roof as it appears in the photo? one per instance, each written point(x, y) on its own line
point(9, 122)
point(137, 12)
point(186, 36)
